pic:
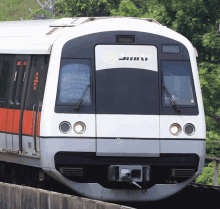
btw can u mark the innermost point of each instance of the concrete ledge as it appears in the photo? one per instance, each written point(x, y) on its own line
point(19, 197)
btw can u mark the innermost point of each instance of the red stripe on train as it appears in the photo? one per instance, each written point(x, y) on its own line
point(3, 113)
point(12, 118)
point(9, 116)
point(28, 122)
point(16, 121)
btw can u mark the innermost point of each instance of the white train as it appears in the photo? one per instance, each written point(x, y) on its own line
point(110, 107)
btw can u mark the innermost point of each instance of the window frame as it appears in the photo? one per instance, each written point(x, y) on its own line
point(90, 89)
point(8, 78)
point(11, 58)
point(163, 105)
point(20, 85)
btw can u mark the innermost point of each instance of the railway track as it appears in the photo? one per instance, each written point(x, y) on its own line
point(202, 192)
point(30, 176)
point(194, 193)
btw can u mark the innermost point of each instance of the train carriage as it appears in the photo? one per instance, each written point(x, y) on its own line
point(110, 107)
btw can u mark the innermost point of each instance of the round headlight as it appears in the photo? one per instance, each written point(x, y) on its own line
point(189, 129)
point(79, 127)
point(175, 129)
point(65, 127)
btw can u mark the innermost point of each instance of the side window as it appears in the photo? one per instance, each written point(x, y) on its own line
point(34, 82)
point(74, 81)
point(4, 77)
point(15, 79)
point(43, 82)
point(34, 95)
point(20, 88)
point(177, 78)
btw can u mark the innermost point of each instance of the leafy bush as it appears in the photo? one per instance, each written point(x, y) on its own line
point(212, 144)
point(38, 13)
point(127, 9)
point(208, 175)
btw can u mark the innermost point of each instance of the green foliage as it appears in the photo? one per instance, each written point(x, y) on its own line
point(83, 8)
point(127, 9)
point(36, 13)
point(207, 175)
point(14, 9)
point(210, 82)
point(144, 9)
point(212, 144)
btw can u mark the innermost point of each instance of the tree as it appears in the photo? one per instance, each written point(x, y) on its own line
point(38, 13)
point(84, 8)
point(208, 175)
point(126, 8)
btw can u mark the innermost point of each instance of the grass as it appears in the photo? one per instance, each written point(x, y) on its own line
point(14, 9)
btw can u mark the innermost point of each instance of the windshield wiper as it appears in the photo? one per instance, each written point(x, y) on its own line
point(81, 98)
point(173, 102)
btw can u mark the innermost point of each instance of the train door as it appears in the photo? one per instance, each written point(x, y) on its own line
point(33, 104)
point(6, 68)
point(127, 100)
point(15, 105)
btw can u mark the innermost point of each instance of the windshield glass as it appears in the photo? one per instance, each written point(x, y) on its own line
point(177, 78)
point(73, 80)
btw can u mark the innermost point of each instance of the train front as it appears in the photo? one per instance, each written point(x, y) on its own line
point(122, 117)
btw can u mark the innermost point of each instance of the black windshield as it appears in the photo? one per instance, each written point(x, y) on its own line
point(177, 78)
point(74, 78)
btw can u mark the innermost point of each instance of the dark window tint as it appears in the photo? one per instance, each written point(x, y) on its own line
point(127, 91)
point(170, 48)
point(16, 76)
point(177, 78)
point(34, 82)
point(23, 70)
point(74, 78)
point(4, 75)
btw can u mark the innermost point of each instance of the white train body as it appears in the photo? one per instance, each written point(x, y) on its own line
point(126, 118)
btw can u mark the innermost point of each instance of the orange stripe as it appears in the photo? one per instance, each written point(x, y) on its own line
point(28, 122)
point(16, 121)
point(13, 117)
point(3, 113)
point(9, 120)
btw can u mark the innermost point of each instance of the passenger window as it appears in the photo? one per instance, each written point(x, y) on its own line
point(4, 76)
point(34, 83)
point(177, 78)
point(75, 77)
point(34, 96)
point(16, 76)
point(23, 71)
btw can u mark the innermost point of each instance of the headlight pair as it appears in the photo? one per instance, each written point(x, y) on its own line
point(79, 127)
point(189, 129)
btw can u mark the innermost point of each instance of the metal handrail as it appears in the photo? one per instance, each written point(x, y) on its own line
point(216, 162)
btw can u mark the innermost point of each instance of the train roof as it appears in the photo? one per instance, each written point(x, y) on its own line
point(41, 28)
point(38, 36)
